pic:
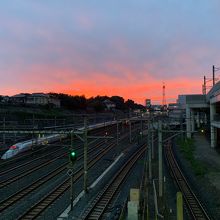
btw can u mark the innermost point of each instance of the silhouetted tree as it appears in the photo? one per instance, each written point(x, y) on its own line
point(130, 104)
point(119, 102)
point(96, 103)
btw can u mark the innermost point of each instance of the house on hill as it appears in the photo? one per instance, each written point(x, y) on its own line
point(35, 99)
point(109, 104)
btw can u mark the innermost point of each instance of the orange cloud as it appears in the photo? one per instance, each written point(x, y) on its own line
point(127, 85)
point(138, 91)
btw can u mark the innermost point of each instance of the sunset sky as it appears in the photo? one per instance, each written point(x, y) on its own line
point(126, 48)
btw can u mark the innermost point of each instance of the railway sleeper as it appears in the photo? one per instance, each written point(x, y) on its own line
point(194, 205)
point(199, 214)
point(104, 200)
point(28, 217)
point(95, 215)
point(93, 218)
point(99, 207)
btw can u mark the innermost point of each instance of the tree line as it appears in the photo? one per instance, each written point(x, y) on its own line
point(97, 103)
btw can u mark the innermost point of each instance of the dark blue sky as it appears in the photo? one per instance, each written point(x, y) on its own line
point(125, 48)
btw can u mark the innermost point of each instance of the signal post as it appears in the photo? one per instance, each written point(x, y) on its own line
point(70, 172)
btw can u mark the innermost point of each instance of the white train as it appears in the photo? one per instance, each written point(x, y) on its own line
point(26, 145)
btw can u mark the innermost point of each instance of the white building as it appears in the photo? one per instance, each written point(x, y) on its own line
point(109, 104)
point(35, 99)
point(19, 98)
point(38, 99)
point(42, 99)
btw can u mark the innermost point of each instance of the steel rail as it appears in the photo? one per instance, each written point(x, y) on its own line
point(8, 181)
point(195, 206)
point(36, 184)
point(103, 199)
point(6, 171)
point(40, 206)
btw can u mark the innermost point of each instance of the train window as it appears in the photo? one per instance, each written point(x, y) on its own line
point(13, 147)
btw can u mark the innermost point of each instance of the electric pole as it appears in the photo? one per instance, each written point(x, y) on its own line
point(85, 155)
point(213, 75)
point(130, 131)
point(152, 138)
point(149, 150)
point(204, 86)
point(117, 132)
point(160, 159)
point(72, 160)
point(4, 129)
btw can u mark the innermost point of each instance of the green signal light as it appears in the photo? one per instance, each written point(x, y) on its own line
point(73, 154)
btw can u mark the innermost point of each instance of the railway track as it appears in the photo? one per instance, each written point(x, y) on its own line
point(48, 199)
point(103, 199)
point(40, 149)
point(30, 169)
point(35, 168)
point(6, 171)
point(19, 196)
point(195, 206)
point(4, 204)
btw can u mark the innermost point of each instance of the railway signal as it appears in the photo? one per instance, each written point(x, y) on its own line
point(72, 157)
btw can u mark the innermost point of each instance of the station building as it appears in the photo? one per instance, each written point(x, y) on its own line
point(203, 111)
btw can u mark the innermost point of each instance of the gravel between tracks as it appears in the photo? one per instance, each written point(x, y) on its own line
point(54, 210)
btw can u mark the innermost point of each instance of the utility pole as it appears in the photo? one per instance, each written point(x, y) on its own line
point(130, 131)
point(149, 150)
point(152, 138)
point(160, 159)
point(130, 125)
point(85, 154)
point(72, 159)
point(71, 177)
point(213, 75)
point(141, 126)
point(4, 129)
point(181, 126)
point(117, 132)
point(204, 88)
point(106, 133)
